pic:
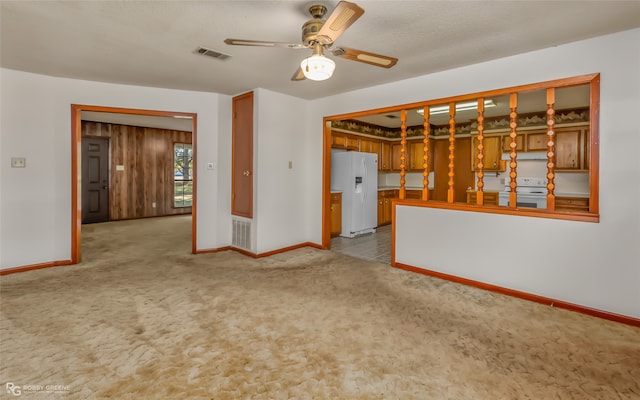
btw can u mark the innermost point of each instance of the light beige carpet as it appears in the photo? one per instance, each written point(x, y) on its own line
point(141, 318)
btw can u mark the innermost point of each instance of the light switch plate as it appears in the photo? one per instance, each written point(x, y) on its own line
point(18, 162)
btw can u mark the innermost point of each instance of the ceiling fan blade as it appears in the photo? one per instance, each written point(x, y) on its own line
point(299, 75)
point(364, 56)
point(244, 42)
point(344, 15)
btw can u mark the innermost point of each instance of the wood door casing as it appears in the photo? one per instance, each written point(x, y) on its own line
point(242, 156)
point(76, 160)
point(95, 180)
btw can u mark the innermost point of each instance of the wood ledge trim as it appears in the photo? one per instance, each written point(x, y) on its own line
point(522, 212)
point(32, 267)
point(525, 296)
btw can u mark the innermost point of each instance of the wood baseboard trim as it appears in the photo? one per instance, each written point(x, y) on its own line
point(277, 251)
point(219, 249)
point(203, 251)
point(35, 266)
point(526, 296)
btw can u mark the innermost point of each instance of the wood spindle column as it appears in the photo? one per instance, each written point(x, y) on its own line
point(425, 140)
point(452, 148)
point(480, 160)
point(551, 149)
point(403, 153)
point(513, 164)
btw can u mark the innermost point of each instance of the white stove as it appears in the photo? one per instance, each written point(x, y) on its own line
point(530, 192)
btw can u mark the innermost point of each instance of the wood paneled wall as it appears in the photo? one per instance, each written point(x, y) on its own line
point(147, 178)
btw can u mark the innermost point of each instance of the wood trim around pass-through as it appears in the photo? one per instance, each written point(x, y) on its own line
point(326, 184)
point(592, 216)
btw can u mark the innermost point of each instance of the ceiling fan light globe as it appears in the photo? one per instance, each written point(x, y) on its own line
point(317, 67)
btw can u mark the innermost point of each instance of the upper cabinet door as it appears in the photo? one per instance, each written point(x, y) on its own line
point(492, 154)
point(568, 146)
point(242, 156)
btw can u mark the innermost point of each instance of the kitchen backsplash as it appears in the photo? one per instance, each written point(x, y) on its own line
point(566, 182)
point(413, 179)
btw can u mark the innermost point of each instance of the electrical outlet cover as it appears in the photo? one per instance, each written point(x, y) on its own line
point(18, 162)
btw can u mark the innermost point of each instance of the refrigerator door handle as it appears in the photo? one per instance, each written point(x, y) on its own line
point(365, 183)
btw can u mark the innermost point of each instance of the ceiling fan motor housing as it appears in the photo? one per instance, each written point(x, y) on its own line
point(310, 28)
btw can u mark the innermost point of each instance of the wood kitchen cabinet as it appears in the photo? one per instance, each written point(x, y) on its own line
point(341, 141)
point(579, 204)
point(415, 153)
point(375, 147)
point(336, 214)
point(492, 154)
point(569, 152)
point(365, 146)
point(506, 143)
point(490, 198)
point(370, 146)
point(572, 147)
point(537, 141)
point(381, 217)
point(385, 198)
point(414, 156)
point(395, 156)
point(384, 157)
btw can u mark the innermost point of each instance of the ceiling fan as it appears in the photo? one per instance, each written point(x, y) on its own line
point(319, 35)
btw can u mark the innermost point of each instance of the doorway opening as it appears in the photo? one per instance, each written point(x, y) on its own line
point(126, 114)
point(375, 246)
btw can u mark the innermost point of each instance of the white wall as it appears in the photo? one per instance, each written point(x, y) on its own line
point(35, 211)
point(591, 264)
point(280, 191)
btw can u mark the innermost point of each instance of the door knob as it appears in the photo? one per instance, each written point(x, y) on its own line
point(105, 187)
point(246, 173)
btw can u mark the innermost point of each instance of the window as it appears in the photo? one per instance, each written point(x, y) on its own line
point(182, 175)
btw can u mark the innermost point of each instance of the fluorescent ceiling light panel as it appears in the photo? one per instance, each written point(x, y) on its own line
point(470, 105)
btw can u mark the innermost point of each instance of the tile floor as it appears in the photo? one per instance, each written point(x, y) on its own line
point(373, 246)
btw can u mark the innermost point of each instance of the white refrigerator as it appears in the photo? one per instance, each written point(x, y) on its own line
point(355, 174)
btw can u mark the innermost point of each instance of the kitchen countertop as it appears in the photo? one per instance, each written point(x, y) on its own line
point(569, 194)
point(398, 187)
point(558, 194)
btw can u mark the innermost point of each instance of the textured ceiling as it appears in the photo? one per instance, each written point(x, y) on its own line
point(152, 43)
